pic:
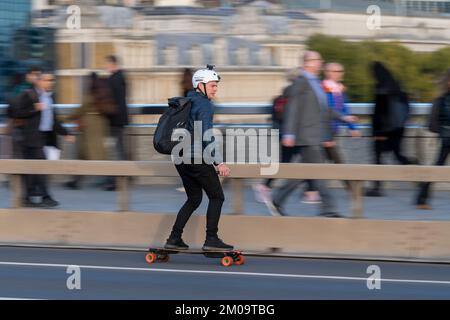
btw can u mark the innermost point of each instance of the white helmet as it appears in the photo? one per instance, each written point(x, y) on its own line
point(205, 76)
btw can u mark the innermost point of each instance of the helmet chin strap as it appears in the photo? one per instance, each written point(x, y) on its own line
point(204, 88)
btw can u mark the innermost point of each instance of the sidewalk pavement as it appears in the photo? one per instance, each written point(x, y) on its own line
point(396, 205)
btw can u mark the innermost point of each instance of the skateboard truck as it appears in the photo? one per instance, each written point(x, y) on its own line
point(228, 258)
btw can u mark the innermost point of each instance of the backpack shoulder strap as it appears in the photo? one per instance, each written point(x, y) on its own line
point(177, 102)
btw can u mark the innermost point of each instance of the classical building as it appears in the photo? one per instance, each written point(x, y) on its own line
point(252, 43)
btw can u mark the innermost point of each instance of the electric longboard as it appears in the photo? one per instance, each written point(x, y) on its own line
point(227, 257)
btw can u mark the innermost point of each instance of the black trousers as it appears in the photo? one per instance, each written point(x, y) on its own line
point(332, 154)
point(424, 188)
point(309, 154)
point(286, 156)
point(121, 148)
point(119, 134)
point(35, 185)
point(198, 177)
point(391, 143)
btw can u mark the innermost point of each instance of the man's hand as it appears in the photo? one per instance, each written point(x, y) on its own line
point(39, 106)
point(224, 171)
point(328, 144)
point(355, 133)
point(69, 139)
point(350, 119)
point(288, 142)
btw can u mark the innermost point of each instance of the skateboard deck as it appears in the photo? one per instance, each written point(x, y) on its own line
point(228, 257)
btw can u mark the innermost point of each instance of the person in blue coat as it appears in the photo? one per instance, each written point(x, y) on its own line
point(337, 100)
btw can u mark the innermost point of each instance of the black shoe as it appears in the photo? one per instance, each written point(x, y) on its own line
point(275, 209)
point(374, 193)
point(212, 244)
point(27, 203)
point(176, 244)
point(330, 215)
point(110, 187)
point(48, 202)
point(73, 185)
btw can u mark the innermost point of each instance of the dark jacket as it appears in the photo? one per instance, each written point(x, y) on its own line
point(118, 86)
point(202, 109)
point(391, 102)
point(32, 137)
point(305, 118)
point(391, 112)
point(440, 116)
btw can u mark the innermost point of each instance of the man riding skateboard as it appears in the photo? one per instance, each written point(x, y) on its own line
point(201, 175)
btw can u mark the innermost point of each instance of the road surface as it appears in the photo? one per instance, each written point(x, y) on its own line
point(46, 273)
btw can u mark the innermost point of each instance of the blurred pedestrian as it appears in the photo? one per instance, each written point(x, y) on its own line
point(439, 123)
point(337, 100)
point(306, 127)
point(40, 130)
point(263, 190)
point(186, 82)
point(119, 120)
point(92, 120)
point(389, 119)
point(16, 124)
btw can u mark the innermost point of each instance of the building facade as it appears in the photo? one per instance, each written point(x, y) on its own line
point(253, 44)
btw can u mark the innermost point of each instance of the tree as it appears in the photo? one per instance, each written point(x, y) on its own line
point(417, 72)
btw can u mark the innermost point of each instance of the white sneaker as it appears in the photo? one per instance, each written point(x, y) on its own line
point(181, 189)
point(262, 193)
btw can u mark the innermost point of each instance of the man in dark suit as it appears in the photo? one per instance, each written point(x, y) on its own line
point(306, 126)
point(119, 119)
point(41, 127)
point(16, 125)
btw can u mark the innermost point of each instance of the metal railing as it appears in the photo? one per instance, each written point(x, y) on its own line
point(357, 174)
point(233, 108)
point(358, 109)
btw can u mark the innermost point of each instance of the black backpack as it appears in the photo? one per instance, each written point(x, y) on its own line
point(175, 117)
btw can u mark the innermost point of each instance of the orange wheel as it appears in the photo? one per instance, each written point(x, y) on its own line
point(240, 260)
point(227, 261)
point(150, 258)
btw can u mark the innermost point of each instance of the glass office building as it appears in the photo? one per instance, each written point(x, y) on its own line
point(14, 14)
